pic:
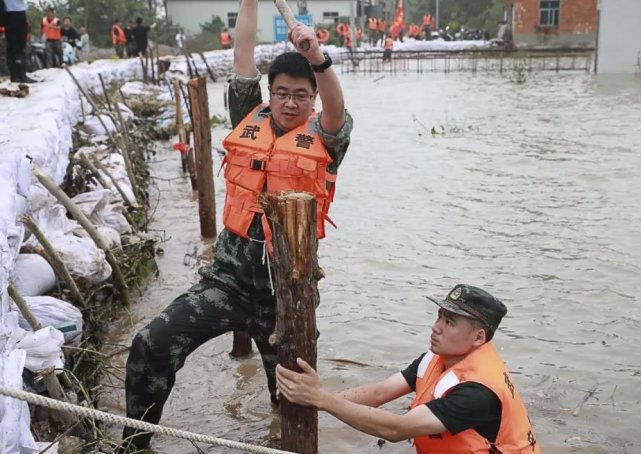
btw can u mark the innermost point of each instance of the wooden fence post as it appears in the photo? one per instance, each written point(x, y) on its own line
point(292, 217)
point(202, 145)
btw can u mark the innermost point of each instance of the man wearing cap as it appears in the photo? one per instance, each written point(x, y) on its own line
point(465, 398)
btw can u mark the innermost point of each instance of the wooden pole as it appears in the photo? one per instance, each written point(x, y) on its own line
point(54, 259)
point(242, 345)
point(292, 217)
point(187, 159)
point(50, 379)
point(180, 127)
point(89, 227)
point(202, 145)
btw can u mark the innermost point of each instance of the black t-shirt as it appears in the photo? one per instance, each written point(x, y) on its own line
point(70, 35)
point(468, 405)
point(140, 36)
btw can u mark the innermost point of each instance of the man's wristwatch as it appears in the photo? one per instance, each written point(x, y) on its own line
point(323, 66)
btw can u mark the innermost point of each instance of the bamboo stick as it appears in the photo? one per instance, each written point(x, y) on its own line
point(125, 153)
point(89, 227)
point(209, 70)
point(51, 380)
point(84, 160)
point(91, 101)
point(104, 90)
point(54, 259)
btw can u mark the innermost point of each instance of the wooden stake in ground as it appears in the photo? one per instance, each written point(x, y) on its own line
point(50, 379)
point(202, 145)
point(54, 260)
point(89, 227)
point(292, 217)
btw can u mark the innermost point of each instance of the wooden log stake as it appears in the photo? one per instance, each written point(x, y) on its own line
point(187, 159)
point(292, 217)
point(180, 127)
point(144, 68)
point(152, 65)
point(54, 260)
point(51, 379)
point(202, 145)
point(89, 227)
point(242, 345)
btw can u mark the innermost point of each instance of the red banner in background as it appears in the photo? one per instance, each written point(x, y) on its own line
point(398, 24)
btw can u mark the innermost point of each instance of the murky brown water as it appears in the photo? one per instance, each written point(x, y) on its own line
point(533, 194)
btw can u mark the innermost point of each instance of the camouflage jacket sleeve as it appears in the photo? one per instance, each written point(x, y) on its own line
point(243, 96)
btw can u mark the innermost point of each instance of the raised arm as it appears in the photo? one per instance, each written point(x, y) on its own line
point(329, 89)
point(245, 40)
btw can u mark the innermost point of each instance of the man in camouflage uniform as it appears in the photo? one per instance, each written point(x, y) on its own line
point(235, 292)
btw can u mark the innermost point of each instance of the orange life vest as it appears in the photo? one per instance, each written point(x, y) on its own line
point(359, 33)
point(381, 25)
point(484, 366)
point(372, 24)
point(427, 20)
point(118, 35)
point(225, 38)
point(258, 161)
point(51, 30)
point(389, 43)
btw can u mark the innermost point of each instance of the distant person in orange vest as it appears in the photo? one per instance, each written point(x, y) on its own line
point(381, 28)
point(372, 30)
point(428, 23)
point(465, 401)
point(225, 39)
point(51, 32)
point(387, 49)
point(118, 38)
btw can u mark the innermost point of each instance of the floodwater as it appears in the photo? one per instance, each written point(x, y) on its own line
point(532, 193)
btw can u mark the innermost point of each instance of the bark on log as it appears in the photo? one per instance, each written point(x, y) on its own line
point(202, 144)
point(292, 217)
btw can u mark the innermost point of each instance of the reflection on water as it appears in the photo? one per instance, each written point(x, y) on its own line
point(531, 193)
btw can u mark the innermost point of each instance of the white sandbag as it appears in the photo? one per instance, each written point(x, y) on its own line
point(109, 236)
point(126, 112)
point(83, 258)
point(96, 206)
point(94, 126)
point(56, 313)
point(15, 433)
point(44, 349)
point(33, 276)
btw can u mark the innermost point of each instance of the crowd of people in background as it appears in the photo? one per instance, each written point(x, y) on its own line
point(132, 41)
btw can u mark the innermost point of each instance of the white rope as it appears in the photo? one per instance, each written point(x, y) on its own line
point(134, 423)
point(266, 259)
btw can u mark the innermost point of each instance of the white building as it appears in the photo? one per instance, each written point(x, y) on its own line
point(189, 14)
point(619, 42)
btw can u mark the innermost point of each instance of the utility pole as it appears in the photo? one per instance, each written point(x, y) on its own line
point(437, 27)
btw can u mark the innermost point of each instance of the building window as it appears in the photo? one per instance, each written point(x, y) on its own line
point(231, 20)
point(549, 16)
point(330, 16)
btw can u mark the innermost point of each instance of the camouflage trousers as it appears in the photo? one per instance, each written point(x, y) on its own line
point(207, 310)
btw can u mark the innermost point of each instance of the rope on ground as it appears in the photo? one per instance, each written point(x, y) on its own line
point(136, 424)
